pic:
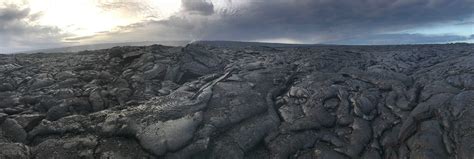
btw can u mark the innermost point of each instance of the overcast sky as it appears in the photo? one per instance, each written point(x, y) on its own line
point(37, 24)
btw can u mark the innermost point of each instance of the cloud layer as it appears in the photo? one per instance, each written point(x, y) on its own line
point(298, 21)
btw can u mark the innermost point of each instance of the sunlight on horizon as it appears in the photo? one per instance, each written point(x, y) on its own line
point(81, 18)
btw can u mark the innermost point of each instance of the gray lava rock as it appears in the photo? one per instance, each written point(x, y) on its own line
point(158, 71)
point(96, 101)
point(11, 131)
point(170, 135)
point(6, 87)
point(3, 116)
point(61, 76)
point(14, 151)
point(120, 148)
point(40, 83)
point(29, 121)
point(76, 147)
point(57, 112)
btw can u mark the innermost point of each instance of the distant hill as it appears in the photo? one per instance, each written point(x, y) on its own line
point(227, 44)
point(247, 44)
point(105, 46)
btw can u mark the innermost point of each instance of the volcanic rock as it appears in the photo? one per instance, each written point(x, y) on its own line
point(212, 101)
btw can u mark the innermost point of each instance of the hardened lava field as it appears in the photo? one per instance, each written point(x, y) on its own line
point(222, 101)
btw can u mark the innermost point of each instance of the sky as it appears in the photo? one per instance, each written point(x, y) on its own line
point(39, 24)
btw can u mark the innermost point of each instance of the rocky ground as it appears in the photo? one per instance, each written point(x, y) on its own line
point(203, 101)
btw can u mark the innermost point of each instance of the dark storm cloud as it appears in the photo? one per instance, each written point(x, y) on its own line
point(17, 31)
point(471, 23)
point(308, 21)
point(304, 19)
point(11, 14)
point(202, 7)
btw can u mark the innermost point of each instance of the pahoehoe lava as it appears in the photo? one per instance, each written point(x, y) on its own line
point(211, 101)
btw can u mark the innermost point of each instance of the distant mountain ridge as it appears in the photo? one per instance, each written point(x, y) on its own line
point(79, 48)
